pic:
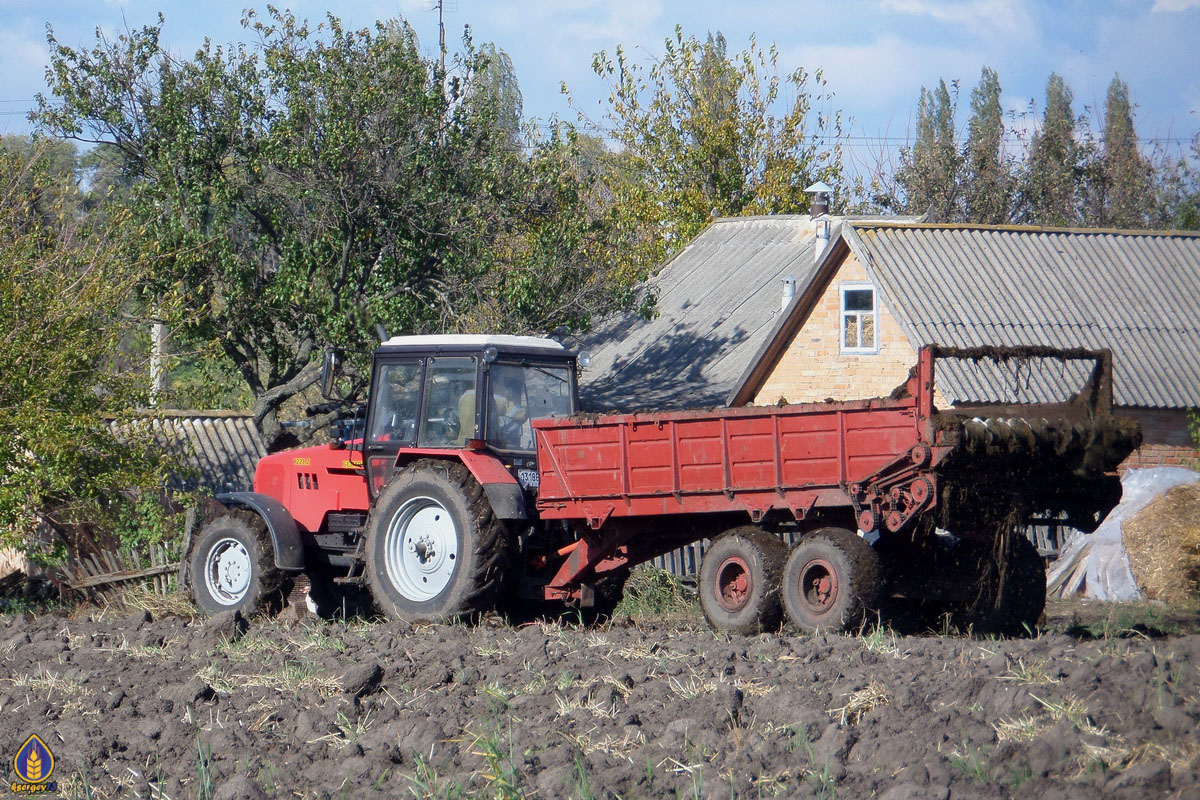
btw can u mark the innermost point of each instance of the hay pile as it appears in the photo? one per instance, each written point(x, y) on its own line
point(1163, 542)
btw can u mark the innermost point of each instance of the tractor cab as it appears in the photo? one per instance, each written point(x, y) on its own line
point(432, 393)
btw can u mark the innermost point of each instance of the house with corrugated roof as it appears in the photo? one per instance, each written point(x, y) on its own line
point(882, 289)
point(715, 303)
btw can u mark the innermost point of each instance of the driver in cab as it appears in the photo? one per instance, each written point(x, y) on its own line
point(510, 414)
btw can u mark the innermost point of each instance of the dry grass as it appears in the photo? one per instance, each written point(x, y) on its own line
point(156, 652)
point(859, 703)
point(71, 696)
point(123, 602)
point(1163, 542)
point(1033, 674)
point(292, 677)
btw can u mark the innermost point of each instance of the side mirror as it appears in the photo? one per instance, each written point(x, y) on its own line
point(328, 371)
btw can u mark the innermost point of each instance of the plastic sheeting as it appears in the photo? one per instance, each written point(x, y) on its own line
point(1106, 574)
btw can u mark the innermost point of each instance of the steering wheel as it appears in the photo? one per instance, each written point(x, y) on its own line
point(451, 424)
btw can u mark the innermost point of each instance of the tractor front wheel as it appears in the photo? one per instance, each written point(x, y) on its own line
point(832, 579)
point(233, 565)
point(435, 550)
point(739, 581)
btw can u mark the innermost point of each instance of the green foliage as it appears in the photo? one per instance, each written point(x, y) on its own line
point(651, 591)
point(299, 190)
point(1067, 176)
point(63, 289)
point(1193, 418)
point(987, 183)
point(1122, 194)
point(1053, 172)
point(142, 519)
point(699, 139)
point(930, 171)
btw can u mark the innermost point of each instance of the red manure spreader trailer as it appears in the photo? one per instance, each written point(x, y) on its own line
point(475, 484)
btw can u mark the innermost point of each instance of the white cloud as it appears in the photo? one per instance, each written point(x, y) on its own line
point(22, 65)
point(887, 73)
point(987, 18)
point(1175, 5)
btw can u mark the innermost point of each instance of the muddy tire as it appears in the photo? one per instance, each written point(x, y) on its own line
point(435, 550)
point(740, 581)
point(232, 566)
point(831, 582)
point(1007, 601)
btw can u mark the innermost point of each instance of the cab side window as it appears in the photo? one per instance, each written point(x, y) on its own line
point(449, 415)
point(397, 392)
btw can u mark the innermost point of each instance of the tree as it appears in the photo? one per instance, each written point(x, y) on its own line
point(316, 184)
point(496, 86)
point(1125, 198)
point(930, 171)
point(1052, 172)
point(64, 288)
point(987, 182)
point(1178, 190)
point(698, 139)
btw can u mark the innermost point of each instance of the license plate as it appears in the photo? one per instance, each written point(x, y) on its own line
point(528, 478)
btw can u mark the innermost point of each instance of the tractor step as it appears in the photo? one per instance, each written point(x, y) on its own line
point(356, 575)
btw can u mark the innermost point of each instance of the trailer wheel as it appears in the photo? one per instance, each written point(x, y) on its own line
point(435, 550)
point(739, 581)
point(233, 565)
point(1005, 601)
point(832, 579)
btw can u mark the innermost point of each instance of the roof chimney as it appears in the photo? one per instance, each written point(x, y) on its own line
point(789, 291)
point(820, 216)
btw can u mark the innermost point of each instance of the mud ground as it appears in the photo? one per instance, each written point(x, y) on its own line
point(1104, 703)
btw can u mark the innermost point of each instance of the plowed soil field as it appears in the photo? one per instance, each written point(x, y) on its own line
point(137, 705)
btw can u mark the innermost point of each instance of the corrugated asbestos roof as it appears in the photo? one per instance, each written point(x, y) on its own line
point(1136, 293)
point(716, 301)
point(217, 450)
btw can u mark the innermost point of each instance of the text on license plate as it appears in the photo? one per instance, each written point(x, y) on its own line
point(528, 478)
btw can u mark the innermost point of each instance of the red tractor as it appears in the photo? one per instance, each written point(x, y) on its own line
point(425, 501)
point(472, 481)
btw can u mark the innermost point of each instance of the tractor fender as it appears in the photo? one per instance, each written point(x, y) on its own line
point(502, 490)
point(285, 536)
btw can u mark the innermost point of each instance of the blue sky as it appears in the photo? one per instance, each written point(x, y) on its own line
point(876, 54)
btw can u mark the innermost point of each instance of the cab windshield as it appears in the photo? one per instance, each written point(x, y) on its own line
point(518, 393)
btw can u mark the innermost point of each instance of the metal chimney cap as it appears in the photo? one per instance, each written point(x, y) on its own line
point(820, 187)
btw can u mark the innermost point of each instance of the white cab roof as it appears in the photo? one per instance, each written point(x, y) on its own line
point(472, 340)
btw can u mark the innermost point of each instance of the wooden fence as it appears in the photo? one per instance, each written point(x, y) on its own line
point(111, 568)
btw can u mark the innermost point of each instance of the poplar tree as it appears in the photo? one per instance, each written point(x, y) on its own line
point(931, 170)
point(1048, 194)
point(1124, 172)
point(987, 184)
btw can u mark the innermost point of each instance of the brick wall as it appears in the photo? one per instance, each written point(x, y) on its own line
point(813, 367)
point(1166, 441)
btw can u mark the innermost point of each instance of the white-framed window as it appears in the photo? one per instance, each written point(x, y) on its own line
point(859, 334)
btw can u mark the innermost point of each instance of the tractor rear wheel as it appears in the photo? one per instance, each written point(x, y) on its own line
point(832, 579)
point(739, 581)
point(435, 550)
point(233, 565)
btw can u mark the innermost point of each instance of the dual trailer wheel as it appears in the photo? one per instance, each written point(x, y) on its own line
point(832, 580)
point(748, 580)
